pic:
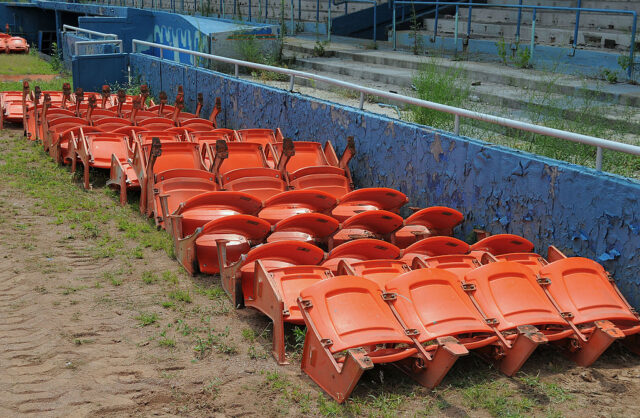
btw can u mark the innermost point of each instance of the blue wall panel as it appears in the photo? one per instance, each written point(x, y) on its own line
point(580, 210)
point(172, 77)
point(91, 72)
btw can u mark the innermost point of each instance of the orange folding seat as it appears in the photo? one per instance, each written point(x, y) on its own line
point(60, 136)
point(436, 220)
point(149, 160)
point(587, 296)
point(109, 124)
point(199, 251)
point(17, 44)
point(434, 246)
point(509, 247)
point(238, 277)
point(350, 328)
point(378, 271)
point(173, 187)
point(202, 208)
point(315, 228)
point(242, 167)
point(294, 202)
point(146, 136)
point(260, 136)
point(156, 123)
point(211, 136)
point(360, 250)
point(270, 280)
point(96, 149)
point(508, 295)
point(433, 303)
point(379, 224)
point(11, 107)
point(372, 198)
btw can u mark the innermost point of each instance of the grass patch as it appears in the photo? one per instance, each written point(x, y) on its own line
point(24, 64)
point(149, 277)
point(180, 296)
point(146, 319)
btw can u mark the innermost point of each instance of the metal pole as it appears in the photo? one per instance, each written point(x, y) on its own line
point(533, 35)
point(469, 21)
point(633, 44)
point(237, 70)
point(249, 10)
point(435, 23)
point(456, 125)
point(455, 34)
point(317, 12)
point(299, 10)
point(599, 158)
point(291, 82)
point(361, 106)
point(575, 31)
point(519, 21)
point(266, 10)
point(293, 28)
point(375, 22)
point(395, 41)
point(329, 22)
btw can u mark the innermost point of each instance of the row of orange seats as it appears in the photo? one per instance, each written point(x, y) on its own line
point(290, 236)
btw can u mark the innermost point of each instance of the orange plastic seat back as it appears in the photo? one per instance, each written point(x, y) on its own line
point(104, 145)
point(294, 202)
point(336, 186)
point(458, 264)
point(243, 155)
point(503, 244)
point(380, 271)
point(360, 250)
point(181, 189)
point(436, 246)
point(532, 260)
point(307, 154)
point(377, 221)
point(145, 137)
point(439, 218)
point(432, 301)
point(377, 197)
point(510, 293)
point(304, 227)
point(350, 312)
point(581, 286)
point(259, 136)
point(290, 281)
point(178, 155)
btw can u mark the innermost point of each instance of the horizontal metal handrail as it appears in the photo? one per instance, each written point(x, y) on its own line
point(600, 143)
point(578, 10)
point(104, 41)
point(87, 31)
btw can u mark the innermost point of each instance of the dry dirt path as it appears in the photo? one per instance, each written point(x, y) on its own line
point(96, 319)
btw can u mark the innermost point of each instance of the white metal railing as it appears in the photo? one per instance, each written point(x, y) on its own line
point(599, 143)
point(76, 29)
point(118, 42)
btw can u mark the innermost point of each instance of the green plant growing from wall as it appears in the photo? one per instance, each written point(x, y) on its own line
point(522, 58)
point(501, 45)
point(418, 43)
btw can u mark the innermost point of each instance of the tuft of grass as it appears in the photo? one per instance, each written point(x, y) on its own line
point(146, 319)
point(180, 295)
point(167, 342)
point(170, 277)
point(213, 292)
point(444, 87)
point(148, 277)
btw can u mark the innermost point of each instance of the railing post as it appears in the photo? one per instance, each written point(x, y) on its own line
point(395, 42)
point(161, 53)
point(249, 10)
point(469, 21)
point(375, 21)
point(435, 22)
point(633, 44)
point(575, 31)
point(237, 70)
point(599, 158)
point(266, 10)
point(455, 33)
point(361, 106)
point(317, 12)
point(533, 35)
point(300, 10)
point(329, 22)
point(456, 125)
point(519, 21)
point(292, 81)
point(293, 28)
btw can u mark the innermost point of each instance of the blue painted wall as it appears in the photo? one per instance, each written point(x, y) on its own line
point(91, 72)
point(580, 210)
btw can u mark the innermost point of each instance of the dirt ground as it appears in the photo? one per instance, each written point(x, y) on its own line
point(96, 318)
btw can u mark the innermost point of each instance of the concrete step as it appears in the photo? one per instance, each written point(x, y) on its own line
point(490, 98)
point(347, 50)
point(501, 95)
point(549, 18)
point(545, 35)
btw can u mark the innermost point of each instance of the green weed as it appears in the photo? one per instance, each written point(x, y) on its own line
point(180, 296)
point(149, 277)
point(146, 319)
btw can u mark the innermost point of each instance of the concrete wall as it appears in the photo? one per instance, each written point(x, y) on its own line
point(581, 211)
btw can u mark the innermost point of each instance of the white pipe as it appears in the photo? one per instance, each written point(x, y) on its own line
point(114, 41)
point(92, 32)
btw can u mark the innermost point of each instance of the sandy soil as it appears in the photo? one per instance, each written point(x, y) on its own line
point(72, 342)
